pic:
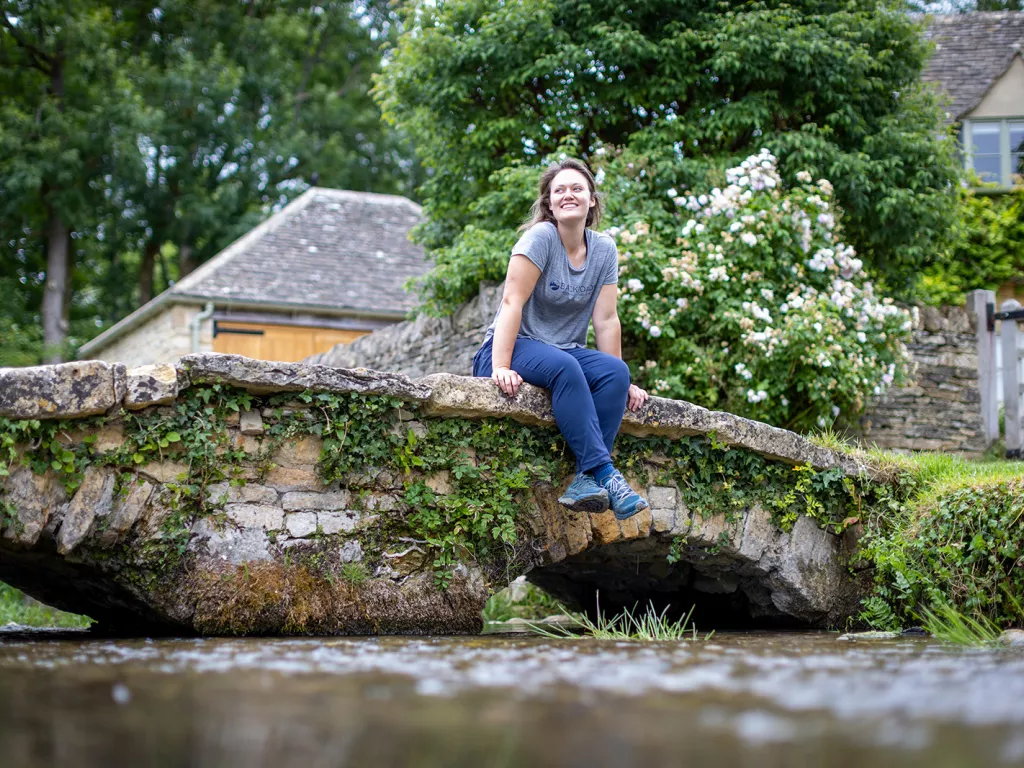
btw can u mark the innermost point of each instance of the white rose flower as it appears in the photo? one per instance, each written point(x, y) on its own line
point(655, 331)
point(634, 285)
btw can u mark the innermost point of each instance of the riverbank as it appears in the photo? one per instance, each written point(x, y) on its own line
point(17, 608)
point(951, 537)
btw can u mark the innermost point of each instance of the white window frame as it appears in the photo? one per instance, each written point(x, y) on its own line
point(967, 143)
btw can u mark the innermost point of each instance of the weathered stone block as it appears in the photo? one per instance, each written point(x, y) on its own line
point(127, 510)
point(93, 499)
point(151, 385)
point(662, 497)
point(714, 531)
point(759, 533)
point(230, 544)
point(264, 377)
point(350, 552)
point(298, 500)
point(299, 454)
point(251, 423)
point(440, 482)
point(300, 524)
point(337, 522)
point(250, 493)
point(381, 503)
point(605, 528)
point(292, 479)
point(164, 471)
point(36, 499)
point(663, 519)
point(249, 444)
point(65, 391)
point(256, 516)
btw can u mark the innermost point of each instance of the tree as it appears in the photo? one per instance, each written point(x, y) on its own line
point(678, 92)
point(169, 132)
point(58, 71)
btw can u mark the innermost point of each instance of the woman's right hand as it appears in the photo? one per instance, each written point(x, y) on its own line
point(508, 381)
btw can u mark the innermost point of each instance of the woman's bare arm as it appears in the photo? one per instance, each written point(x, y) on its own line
point(519, 284)
point(608, 333)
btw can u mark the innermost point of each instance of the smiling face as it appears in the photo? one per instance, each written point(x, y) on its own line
point(570, 197)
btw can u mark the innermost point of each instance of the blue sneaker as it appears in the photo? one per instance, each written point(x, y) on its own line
point(625, 502)
point(584, 495)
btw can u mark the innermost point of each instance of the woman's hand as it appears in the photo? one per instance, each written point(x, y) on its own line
point(636, 397)
point(508, 381)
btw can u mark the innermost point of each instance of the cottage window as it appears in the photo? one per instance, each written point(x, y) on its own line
point(994, 149)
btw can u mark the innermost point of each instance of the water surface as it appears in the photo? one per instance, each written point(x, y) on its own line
point(756, 699)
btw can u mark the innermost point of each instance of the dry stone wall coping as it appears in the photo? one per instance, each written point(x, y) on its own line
point(72, 390)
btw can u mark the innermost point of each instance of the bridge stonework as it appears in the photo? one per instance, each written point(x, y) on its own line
point(249, 523)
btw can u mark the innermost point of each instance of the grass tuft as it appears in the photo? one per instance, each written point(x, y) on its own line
point(649, 626)
point(949, 625)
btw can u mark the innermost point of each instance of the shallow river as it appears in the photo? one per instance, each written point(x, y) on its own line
point(761, 699)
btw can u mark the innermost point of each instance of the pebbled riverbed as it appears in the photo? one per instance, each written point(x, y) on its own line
point(752, 699)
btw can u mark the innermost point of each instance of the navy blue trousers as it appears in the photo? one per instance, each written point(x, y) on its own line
point(588, 393)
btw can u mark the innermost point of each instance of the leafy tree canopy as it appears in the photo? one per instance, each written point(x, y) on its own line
point(676, 92)
point(154, 135)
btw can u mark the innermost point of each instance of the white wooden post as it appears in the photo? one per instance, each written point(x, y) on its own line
point(1011, 381)
point(977, 302)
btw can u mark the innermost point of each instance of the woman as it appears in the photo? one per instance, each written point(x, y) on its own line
point(560, 276)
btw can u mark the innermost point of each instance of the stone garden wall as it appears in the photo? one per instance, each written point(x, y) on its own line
point(941, 411)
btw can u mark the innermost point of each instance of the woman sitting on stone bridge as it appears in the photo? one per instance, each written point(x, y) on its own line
point(560, 276)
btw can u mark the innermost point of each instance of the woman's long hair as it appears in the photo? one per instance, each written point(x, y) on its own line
point(541, 209)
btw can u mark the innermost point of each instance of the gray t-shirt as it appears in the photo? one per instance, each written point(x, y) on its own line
point(559, 309)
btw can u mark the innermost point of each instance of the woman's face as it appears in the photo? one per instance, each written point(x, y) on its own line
point(570, 197)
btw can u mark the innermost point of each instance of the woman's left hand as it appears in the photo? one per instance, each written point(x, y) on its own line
point(636, 398)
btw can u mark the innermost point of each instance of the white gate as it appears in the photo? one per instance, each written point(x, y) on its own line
point(999, 361)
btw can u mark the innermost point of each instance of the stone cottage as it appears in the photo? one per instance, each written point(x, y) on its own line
point(978, 62)
point(325, 270)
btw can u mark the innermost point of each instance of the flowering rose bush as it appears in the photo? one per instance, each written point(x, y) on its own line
point(748, 301)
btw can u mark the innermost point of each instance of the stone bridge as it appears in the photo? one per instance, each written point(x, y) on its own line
point(232, 496)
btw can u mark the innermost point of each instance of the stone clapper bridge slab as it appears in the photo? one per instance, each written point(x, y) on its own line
point(117, 547)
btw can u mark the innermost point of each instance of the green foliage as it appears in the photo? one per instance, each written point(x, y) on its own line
point(961, 549)
point(158, 135)
point(479, 514)
point(354, 573)
point(51, 447)
point(716, 479)
point(535, 603)
point(16, 608)
point(987, 249)
point(674, 93)
point(749, 301)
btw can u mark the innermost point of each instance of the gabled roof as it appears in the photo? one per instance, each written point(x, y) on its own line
point(329, 252)
point(972, 51)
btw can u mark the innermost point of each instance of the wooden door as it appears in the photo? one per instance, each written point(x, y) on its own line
point(285, 343)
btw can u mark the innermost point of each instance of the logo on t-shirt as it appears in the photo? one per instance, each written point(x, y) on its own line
point(573, 290)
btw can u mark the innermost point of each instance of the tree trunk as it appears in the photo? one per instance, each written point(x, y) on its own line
point(58, 264)
point(146, 272)
point(186, 260)
point(57, 275)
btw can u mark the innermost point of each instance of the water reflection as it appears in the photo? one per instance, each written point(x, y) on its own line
point(744, 700)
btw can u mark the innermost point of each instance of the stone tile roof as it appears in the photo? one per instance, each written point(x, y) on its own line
point(972, 50)
point(329, 249)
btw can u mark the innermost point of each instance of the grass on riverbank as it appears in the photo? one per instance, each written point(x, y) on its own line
point(16, 608)
point(647, 626)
